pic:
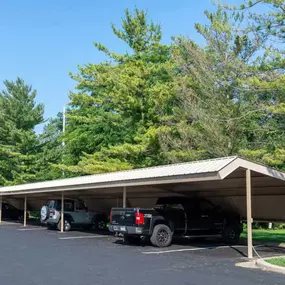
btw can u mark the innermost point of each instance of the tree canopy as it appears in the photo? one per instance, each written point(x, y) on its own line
point(159, 103)
point(18, 141)
point(120, 105)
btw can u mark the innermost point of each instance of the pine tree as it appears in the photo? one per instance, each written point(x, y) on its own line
point(51, 150)
point(18, 141)
point(269, 28)
point(226, 94)
point(120, 105)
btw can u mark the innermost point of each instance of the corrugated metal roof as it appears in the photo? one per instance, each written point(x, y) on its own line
point(171, 170)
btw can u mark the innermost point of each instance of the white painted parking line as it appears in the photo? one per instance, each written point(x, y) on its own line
point(192, 249)
point(176, 250)
point(32, 229)
point(82, 237)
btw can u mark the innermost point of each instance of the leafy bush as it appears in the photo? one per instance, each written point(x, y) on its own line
point(34, 215)
point(279, 226)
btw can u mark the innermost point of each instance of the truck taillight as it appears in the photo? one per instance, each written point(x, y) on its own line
point(110, 217)
point(139, 219)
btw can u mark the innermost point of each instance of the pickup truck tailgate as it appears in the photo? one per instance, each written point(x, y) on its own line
point(124, 216)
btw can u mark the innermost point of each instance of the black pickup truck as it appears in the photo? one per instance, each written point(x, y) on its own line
point(175, 216)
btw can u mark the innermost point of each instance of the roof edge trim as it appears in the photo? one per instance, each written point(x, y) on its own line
point(246, 164)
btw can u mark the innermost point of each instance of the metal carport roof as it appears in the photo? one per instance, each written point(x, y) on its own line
point(206, 170)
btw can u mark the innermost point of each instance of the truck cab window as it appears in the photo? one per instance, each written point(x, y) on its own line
point(171, 206)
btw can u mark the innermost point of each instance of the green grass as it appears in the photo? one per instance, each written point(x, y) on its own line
point(266, 235)
point(280, 261)
point(34, 215)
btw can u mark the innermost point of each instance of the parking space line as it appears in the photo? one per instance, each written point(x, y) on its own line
point(176, 250)
point(191, 249)
point(81, 237)
point(32, 229)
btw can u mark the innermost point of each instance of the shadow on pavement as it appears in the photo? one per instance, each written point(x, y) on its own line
point(31, 222)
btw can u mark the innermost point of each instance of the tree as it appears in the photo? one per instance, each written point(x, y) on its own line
point(18, 141)
point(270, 27)
point(271, 23)
point(51, 150)
point(120, 105)
point(223, 111)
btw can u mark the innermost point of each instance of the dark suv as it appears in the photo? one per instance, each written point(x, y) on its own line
point(76, 214)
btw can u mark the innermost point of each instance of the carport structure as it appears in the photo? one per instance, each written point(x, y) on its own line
point(230, 181)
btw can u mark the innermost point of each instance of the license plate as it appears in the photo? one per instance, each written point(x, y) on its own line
point(120, 228)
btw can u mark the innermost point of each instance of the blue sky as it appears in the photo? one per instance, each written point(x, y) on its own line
point(42, 41)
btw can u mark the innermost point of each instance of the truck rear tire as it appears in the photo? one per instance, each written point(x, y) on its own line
point(231, 234)
point(161, 236)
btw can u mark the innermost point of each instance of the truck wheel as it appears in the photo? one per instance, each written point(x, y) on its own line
point(161, 236)
point(128, 239)
point(231, 234)
point(100, 225)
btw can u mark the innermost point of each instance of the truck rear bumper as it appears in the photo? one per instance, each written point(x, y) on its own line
point(126, 230)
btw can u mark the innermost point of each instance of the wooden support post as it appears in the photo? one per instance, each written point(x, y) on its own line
point(124, 197)
point(25, 211)
point(0, 209)
point(249, 214)
point(62, 213)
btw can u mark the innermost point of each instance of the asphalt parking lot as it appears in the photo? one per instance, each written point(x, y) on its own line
point(36, 256)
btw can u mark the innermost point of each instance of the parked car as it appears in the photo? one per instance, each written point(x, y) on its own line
point(76, 215)
point(10, 212)
point(175, 216)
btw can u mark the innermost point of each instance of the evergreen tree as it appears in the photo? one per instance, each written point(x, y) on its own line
point(224, 109)
point(269, 28)
point(18, 141)
point(51, 150)
point(120, 105)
